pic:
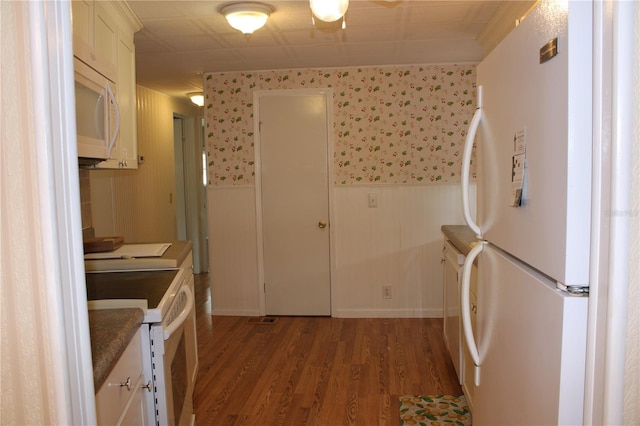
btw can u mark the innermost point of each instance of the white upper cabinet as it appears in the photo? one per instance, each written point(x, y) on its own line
point(95, 36)
point(103, 39)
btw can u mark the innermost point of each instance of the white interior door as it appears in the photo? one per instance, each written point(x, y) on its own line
point(295, 203)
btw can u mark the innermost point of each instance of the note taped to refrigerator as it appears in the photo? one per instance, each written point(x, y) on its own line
point(518, 163)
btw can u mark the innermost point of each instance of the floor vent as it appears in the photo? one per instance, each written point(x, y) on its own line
point(262, 320)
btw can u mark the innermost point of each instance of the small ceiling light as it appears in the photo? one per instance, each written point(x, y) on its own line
point(197, 98)
point(329, 10)
point(246, 17)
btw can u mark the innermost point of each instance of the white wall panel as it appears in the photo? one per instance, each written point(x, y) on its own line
point(233, 264)
point(397, 244)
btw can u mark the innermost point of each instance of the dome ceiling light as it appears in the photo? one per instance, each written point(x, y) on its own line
point(246, 17)
point(329, 10)
point(197, 98)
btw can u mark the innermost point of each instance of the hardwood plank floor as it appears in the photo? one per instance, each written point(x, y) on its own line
point(314, 370)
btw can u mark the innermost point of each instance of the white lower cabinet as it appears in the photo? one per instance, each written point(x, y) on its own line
point(452, 261)
point(454, 339)
point(124, 398)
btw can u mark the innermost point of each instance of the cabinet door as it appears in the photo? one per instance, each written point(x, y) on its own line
point(124, 154)
point(135, 411)
point(95, 36)
point(123, 384)
point(106, 36)
point(127, 101)
point(82, 19)
point(452, 335)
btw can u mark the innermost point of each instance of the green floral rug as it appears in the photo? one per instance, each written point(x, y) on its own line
point(434, 410)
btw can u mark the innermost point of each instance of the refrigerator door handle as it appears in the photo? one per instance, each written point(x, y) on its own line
point(465, 308)
point(466, 164)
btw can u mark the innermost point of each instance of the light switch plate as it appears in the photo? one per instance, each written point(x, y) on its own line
point(373, 200)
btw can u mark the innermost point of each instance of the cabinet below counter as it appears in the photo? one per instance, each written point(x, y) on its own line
point(458, 242)
point(461, 236)
point(111, 331)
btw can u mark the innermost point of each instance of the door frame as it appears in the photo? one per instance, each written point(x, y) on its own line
point(257, 95)
point(191, 202)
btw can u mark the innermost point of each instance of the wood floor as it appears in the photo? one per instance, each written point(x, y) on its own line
point(314, 370)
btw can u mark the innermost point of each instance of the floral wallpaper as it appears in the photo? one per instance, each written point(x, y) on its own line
point(392, 125)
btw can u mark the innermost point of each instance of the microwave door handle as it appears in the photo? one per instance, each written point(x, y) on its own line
point(180, 319)
point(114, 136)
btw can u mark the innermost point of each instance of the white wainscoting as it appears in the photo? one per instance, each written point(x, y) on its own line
point(397, 244)
point(233, 265)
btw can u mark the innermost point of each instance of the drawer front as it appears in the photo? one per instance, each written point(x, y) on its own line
point(113, 396)
point(453, 254)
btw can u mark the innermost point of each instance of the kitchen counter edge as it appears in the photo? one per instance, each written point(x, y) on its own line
point(111, 331)
point(461, 236)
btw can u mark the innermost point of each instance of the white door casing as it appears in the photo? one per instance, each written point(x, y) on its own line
point(292, 201)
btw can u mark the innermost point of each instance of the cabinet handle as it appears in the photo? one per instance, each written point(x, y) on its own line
point(127, 383)
point(147, 386)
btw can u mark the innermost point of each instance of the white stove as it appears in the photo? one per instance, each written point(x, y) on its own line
point(163, 287)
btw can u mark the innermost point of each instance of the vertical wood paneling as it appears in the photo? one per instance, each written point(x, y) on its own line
point(154, 195)
point(397, 244)
point(233, 264)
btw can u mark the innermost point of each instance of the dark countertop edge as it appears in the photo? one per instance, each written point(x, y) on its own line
point(461, 236)
point(111, 331)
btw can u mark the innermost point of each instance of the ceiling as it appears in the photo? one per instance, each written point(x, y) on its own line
point(181, 40)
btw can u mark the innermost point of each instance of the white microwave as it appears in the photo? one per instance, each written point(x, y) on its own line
point(97, 114)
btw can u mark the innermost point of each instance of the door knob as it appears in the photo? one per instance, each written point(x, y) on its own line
point(322, 224)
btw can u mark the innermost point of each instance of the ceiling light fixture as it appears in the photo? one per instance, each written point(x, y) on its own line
point(197, 98)
point(329, 10)
point(246, 17)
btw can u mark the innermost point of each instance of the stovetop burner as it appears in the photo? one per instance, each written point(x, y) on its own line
point(145, 285)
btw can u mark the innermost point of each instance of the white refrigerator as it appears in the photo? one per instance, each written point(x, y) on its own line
point(532, 132)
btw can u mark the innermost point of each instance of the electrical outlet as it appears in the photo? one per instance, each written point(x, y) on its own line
point(386, 292)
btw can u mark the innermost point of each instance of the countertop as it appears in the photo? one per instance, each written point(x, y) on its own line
point(111, 331)
point(461, 236)
point(172, 258)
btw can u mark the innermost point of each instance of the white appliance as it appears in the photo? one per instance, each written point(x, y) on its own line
point(97, 114)
point(534, 199)
point(167, 297)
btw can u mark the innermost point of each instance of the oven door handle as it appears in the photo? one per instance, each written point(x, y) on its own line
point(182, 317)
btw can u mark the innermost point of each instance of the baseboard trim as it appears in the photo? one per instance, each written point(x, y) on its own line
point(387, 313)
point(347, 313)
point(235, 312)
